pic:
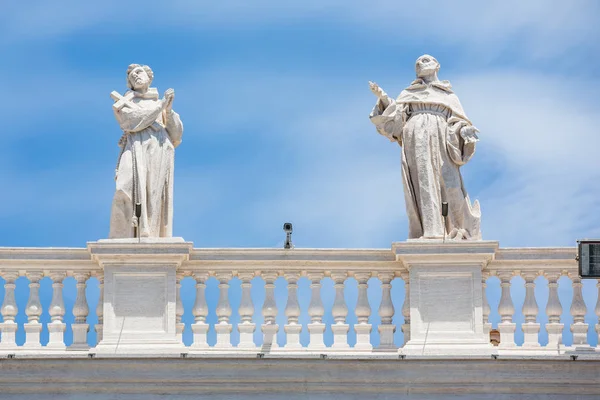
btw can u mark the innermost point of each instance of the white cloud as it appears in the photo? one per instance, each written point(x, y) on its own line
point(542, 129)
point(536, 28)
point(538, 143)
point(302, 149)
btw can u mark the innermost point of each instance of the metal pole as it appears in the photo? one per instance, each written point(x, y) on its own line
point(445, 215)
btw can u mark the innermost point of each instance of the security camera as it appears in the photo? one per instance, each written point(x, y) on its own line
point(287, 228)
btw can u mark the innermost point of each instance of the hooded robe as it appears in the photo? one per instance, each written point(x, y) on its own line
point(426, 120)
point(145, 167)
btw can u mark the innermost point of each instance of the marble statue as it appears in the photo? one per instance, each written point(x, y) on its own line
point(144, 174)
point(437, 138)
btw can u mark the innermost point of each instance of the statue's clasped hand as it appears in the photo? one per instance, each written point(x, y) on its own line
point(469, 134)
point(168, 100)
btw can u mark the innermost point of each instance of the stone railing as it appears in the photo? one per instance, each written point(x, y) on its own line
point(357, 300)
point(35, 264)
point(547, 269)
point(289, 267)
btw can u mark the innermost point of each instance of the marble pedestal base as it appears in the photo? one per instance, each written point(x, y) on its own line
point(140, 295)
point(446, 311)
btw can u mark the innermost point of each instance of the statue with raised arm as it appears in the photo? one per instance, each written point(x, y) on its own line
point(144, 174)
point(429, 123)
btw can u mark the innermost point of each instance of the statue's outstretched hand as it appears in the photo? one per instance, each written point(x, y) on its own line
point(377, 91)
point(469, 134)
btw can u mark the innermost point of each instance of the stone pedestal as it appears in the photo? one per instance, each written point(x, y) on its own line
point(9, 334)
point(247, 335)
point(316, 331)
point(293, 336)
point(32, 335)
point(363, 337)
point(269, 336)
point(200, 335)
point(386, 338)
point(340, 336)
point(531, 332)
point(555, 331)
point(140, 294)
point(56, 331)
point(446, 308)
point(223, 330)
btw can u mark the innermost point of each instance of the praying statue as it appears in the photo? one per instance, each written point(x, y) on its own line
point(428, 122)
point(143, 202)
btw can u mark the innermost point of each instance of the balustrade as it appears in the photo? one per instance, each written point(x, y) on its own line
point(33, 328)
point(200, 312)
point(551, 272)
point(9, 311)
point(386, 312)
point(246, 327)
point(406, 308)
point(502, 273)
point(487, 326)
point(553, 311)
point(269, 310)
point(57, 327)
point(80, 311)
point(292, 312)
point(223, 327)
point(339, 311)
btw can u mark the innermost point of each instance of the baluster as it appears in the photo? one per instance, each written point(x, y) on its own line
point(269, 310)
point(316, 328)
point(553, 310)
point(100, 307)
point(292, 312)
point(179, 326)
point(33, 310)
point(200, 311)
point(531, 329)
point(487, 326)
point(246, 310)
point(578, 327)
point(340, 312)
point(223, 327)
point(386, 312)
point(9, 311)
point(56, 327)
point(506, 310)
point(597, 311)
point(80, 311)
point(362, 311)
point(406, 307)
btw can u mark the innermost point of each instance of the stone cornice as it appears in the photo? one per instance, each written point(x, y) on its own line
point(437, 252)
point(316, 378)
point(257, 259)
point(295, 259)
point(45, 259)
point(539, 259)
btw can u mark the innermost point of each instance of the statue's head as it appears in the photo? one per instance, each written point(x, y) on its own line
point(139, 77)
point(426, 66)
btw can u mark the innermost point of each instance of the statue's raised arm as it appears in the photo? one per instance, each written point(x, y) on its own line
point(385, 115)
point(437, 138)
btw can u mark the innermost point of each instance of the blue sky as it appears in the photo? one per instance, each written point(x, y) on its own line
point(275, 102)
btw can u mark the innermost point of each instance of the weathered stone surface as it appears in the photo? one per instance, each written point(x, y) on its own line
point(437, 138)
point(144, 174)
point(177, 378)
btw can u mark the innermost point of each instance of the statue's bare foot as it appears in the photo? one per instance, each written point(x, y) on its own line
point(458, 234)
